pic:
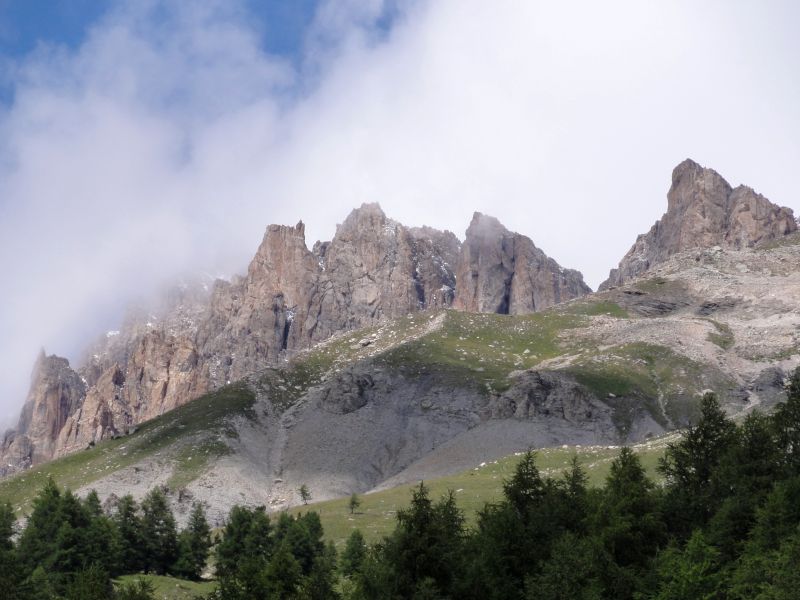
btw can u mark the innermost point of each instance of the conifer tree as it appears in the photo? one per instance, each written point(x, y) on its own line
point(319, 583)
point(355, 551)
point(71, 548)
point(786, 421)
point(129, 526)
point(688, 466)
point(194, 544)
point(353, 503)
point(283, 573)
point(525, 487)
point(37, 543)
point(427, 544)
point(103, 544)
point(159, 533)
point(629, 525)
point(247, 533)
point(571, 572)
point(690, 573)
point(11, 575)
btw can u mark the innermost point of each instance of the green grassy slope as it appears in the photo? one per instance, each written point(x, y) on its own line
point(171, 588)
point(473, 489)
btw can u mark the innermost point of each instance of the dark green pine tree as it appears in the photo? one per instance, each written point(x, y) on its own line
point(571, 573)
point(628, 525)
point(103, 544)
point(37, 543)
point(525, 489)
point(742, 480)
point(39, 586)
point(425, 551)
point(514, 536)
point(283, 573)
point(71, 553)
point(688, 466)
point(355, 551)
point(303, 537)
point(193, 545)
point(11, 574)
point(786, 420)
point(693, 572)
point(131, 541)
point(319, 584)
point(777, 518)
point(246, 538)
point(769, 575)
point(92, 504)
point(159, 533)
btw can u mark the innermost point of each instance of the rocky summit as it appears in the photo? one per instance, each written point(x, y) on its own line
point(703, 211)
point(505, 273)
point(205, 335)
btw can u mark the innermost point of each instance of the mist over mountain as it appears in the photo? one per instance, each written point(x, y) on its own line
point(123, 166)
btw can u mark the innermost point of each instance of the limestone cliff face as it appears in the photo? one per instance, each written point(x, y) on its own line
point(251, 321)
point(703, 211)
point(56, 392)
point(374, 268)
point(504, 272)
point(203, 335)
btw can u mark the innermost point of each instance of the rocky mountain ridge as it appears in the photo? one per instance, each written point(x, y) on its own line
point(440, 391)
point(676, 282)
point(203, 337)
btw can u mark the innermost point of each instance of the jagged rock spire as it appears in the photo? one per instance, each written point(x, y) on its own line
point(703, 210)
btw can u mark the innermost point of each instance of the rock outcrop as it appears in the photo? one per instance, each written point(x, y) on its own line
point(504, 272)
point(703, 211)
point(203, 336)
point(56, 392)
point(373, 269)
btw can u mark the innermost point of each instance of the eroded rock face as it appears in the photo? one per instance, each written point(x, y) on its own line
point(504, 272)
point(373, 269)
point(56, 392)
point(204, 335)
point(703, 211)
point(546, 395)
point(252, 320)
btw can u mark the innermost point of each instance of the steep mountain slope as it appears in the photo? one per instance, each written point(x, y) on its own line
point(703, 211)
point(437, 392)
point(385, 383)
point(204, 336)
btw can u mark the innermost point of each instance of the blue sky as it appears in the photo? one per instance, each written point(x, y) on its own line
point(27, 24)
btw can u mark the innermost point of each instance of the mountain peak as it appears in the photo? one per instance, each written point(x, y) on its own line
point(504, 272)
point(703, 210)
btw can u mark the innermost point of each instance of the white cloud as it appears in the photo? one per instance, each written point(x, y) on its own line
point(169, 139)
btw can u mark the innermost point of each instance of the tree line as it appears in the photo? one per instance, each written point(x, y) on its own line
point(724, 524)
point(71, 548)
